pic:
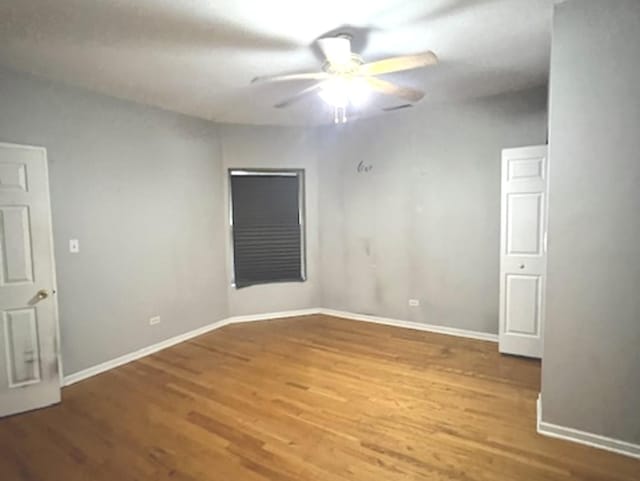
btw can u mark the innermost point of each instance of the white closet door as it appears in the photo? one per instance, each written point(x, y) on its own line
point(523, 252)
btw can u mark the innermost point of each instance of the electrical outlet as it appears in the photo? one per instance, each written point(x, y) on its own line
point(154, 320)
point(74, 246)
point(414, 302)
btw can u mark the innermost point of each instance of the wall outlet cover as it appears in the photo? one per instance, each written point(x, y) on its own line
point(154, 320)
point(414, 302)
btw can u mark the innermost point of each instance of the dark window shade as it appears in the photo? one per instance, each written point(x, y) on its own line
point(267, 237)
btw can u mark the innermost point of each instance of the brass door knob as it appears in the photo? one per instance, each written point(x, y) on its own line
point(42, 294)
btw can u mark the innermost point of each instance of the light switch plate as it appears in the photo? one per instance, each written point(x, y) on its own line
point(74, 246)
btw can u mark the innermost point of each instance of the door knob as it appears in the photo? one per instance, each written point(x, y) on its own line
point(42, 294)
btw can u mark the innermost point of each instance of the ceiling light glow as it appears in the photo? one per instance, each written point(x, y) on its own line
point(339, 92)
point(335, 92)
point(358, 91)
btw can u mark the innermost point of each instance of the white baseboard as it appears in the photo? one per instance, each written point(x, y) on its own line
point(145, 351)
point(273, 315)
point(451, 331)
point(583, 437)
point(119, 361)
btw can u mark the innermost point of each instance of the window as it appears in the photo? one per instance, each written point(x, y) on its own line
point(267, 225)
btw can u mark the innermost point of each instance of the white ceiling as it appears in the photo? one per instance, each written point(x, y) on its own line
point(199, 56)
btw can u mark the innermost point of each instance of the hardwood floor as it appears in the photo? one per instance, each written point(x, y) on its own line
point(310, 398)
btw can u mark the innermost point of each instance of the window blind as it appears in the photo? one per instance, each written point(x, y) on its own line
point(267, 227)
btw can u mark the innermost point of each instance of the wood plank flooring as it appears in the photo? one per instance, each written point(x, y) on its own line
point(309, 398)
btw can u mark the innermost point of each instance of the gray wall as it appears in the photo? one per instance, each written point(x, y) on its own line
point(275, 147)
point(424, 222)
point(591, 368)
point(145, 192)
point(141, 189)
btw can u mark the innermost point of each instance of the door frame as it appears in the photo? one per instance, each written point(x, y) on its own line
point(54, 297)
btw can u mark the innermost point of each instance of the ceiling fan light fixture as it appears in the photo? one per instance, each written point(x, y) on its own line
point(359, 91)
point(347, 80)
point(335, 92)
point(339, 92)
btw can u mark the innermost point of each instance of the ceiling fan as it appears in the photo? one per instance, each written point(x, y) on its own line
point(346, 79)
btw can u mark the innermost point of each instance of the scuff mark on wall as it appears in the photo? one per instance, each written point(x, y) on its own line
point(424, 222)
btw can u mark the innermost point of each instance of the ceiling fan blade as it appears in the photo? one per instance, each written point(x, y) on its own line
point(300, 95)
point(293, 76)
point(336, 49)
point(388, 88)
point(398, 64)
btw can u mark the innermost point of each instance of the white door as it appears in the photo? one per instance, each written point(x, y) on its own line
point(29, 368)
point(523, 251)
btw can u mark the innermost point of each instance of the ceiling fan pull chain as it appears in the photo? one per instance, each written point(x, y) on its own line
point(339, 115)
